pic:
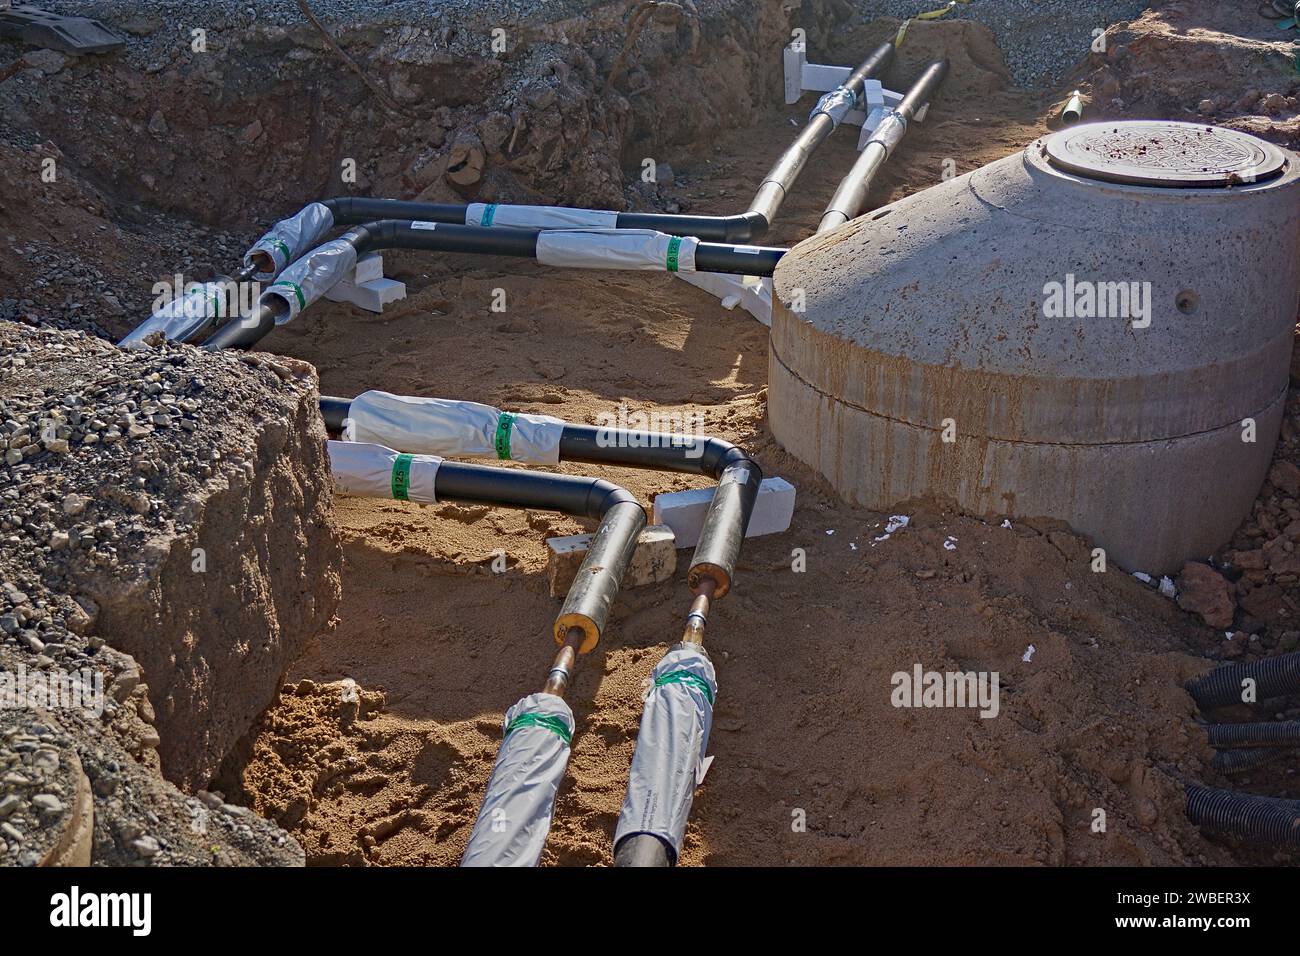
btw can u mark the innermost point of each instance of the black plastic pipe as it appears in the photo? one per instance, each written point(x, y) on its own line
point(1274, 823)
point(1282, 733)
point(243, 333)
point(590, 599)
point(851, 195)
point(1273, 677)
point(745, 227)
point(1245, 758)
point(739, 478)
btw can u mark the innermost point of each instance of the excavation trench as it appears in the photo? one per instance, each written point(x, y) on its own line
point(381, 744)
point(380, 748)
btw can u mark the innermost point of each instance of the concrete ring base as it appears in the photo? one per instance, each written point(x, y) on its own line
point(1144, 502)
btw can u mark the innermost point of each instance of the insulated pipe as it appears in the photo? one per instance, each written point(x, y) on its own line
point(1270, 677)
point(408, 234)
point(851, 195)
point(745, 227)
point(1272, 822)
point(739, 478)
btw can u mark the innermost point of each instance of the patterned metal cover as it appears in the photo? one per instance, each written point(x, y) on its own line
point(1152, 153)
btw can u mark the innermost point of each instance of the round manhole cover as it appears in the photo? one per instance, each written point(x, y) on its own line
point(1163, 154)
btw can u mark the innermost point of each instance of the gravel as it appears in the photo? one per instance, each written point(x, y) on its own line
point(1042, 40)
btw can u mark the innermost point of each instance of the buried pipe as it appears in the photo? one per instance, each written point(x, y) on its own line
point(670, 756)
point(851, 195)
point(448, 428)
point(1284, 733)
point(515, 815)
point(1270, 821)
point(292, 237)
point(312, 275)
point(1247, 683)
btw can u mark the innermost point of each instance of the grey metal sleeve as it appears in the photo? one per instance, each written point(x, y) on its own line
point(515, 817)
point(670, 748)
point(836, 104)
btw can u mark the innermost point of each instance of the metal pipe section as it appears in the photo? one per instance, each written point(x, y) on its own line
point(851, 195)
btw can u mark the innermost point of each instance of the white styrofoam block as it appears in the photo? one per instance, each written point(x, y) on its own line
point(684, 511)
point(752, 293)
point(369, 267)
point(371, 296)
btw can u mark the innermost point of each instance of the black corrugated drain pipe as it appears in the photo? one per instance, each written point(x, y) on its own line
point(1269, 821)
point(1227, 685)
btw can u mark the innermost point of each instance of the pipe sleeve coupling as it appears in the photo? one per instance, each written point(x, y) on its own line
point(290, 238)
point(836, 104)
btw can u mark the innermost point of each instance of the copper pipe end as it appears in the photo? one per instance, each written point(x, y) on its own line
point(557, 680)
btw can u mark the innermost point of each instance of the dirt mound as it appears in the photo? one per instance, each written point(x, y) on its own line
point(1192, 59)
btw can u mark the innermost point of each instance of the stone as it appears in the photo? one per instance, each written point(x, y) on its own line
point(654, 560)
point(1203, 591)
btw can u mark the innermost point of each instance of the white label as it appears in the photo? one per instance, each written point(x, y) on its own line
point(424, 225)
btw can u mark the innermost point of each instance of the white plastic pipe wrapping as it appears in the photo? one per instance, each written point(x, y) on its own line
point(373, 471)
point(643, 249)
point(310, 277)
point(669, 758)
point(516, 813)
point(538, 217)
point(184, 315)
point(290, 238)
point(438, 426)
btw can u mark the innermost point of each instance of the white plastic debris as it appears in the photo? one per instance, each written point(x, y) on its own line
point(374, 471)
point(1142, 576)
point(1029, 654)
point(538, 217)
point(438, 426)
point(311, 276)
point(290, 238)
point(643, 249)
point(895, 523)
point(950, 543)
point(1167, 587)
point(515, 816)
point(669, 761)
point(1006, 523)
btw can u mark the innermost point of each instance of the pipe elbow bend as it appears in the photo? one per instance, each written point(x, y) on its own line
point(605, 496)
point(746, 227)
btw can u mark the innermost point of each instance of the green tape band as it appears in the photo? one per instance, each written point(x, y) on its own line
point(488, 215)
point(549, 722)
point(502, 439)
point(302, 301)
point(283, 248)
point(402, 478)
point(686, 677)
point(674, 246)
